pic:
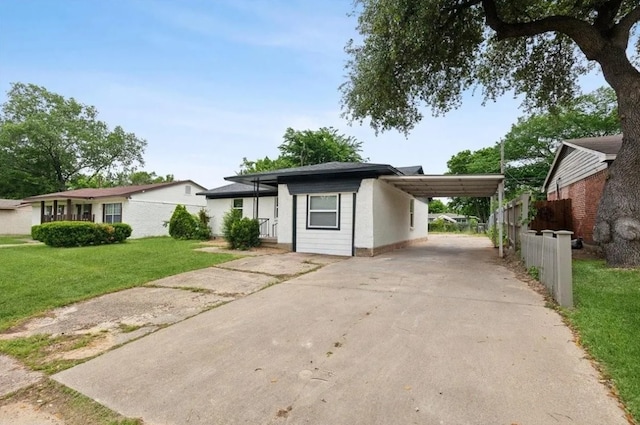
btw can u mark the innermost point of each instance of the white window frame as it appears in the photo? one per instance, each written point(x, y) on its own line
point(187, 189)
point(275, 212)
point(336, 211)
point(112, 214)
point(412, 213)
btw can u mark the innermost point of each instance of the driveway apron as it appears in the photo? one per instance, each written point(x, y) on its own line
point(435, 334)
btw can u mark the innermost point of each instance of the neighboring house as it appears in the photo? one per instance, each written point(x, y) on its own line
point(452, 218)
point(333, 208)
point(15, 217)
point(579, 172)
point(144, 207)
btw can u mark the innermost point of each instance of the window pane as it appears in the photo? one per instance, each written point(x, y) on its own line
point(323, 202)
point(117, 208)
point(323, 219)
point(237, 203)
point(108, 208)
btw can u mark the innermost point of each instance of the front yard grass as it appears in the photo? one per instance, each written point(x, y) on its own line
point(607, 318)
point(14, 239)
point(34, 279)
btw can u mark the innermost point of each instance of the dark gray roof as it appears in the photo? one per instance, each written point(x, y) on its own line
point(237, 190)
point(271, 177)
point(411, 171)
point(608, 145)
point(10, 204)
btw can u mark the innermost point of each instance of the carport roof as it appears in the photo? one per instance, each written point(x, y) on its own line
point(432, 186)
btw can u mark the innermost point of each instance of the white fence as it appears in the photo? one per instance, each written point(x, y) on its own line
point(551, 256)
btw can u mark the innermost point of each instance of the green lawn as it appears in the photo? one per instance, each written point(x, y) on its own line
point(34, 279)
point(607, 317)
point(13, 239)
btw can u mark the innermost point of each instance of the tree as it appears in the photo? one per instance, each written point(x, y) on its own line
point(308, 147)
point(530, 146)
point(47, 141)
point(430, 52)
point(436, 206)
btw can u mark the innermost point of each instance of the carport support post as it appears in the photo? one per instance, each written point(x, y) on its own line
point(500, 220)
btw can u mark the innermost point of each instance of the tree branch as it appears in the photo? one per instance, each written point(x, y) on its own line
point(621, 31)
point(606, 14)
point(586, 36)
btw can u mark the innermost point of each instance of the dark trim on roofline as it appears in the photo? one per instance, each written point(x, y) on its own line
point(283, 176)
point(230, 195)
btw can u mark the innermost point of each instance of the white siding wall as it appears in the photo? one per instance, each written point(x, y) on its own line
point(217, 208)
point(575, 166)
point(364, 214)
point(325, 241)
point(391, 215)
point(146, 212)
point(16, 222)
point(285, 218)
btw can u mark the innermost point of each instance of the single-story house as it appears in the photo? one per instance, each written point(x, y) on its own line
point(452, 218)
point(337, 208)
point(15, 217)
point(579, 172)
point(144, 207)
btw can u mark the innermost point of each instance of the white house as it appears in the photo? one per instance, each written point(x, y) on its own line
point(333, 208)
point(15, 217)
point(145, 207)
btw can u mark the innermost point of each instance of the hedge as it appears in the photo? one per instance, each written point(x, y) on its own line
point(80, 233)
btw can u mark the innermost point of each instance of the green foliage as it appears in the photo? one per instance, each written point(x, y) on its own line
point(48, 141)
point(436, 206)
point(80, 233)
point(442, 225)
point(122, 178)
point(184, 225)
point(431, 52)
point(240, 233)
point(530, 146)
point(308, 147)
point(534, 272)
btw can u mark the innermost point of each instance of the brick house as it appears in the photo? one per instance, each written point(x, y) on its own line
point(579, 172)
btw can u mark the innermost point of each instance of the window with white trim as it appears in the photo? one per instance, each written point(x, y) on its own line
point(323, 211)
point(187, 190)
point(412, 206)
point(237, 204)
point(275, 213)
point(112, 213)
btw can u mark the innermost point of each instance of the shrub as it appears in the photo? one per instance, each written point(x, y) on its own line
point(80, 233)
point(184, 225)
point(35, 232)
point(240, 233)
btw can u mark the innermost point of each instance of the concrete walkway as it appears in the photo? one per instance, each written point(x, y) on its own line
point(438, 334)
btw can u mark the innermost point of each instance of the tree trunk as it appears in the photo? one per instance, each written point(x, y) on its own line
point(617, 226)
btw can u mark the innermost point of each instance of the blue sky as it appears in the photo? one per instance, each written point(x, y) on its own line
point(207, 83)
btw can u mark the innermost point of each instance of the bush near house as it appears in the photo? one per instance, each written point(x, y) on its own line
point(80, 233)
point(184, 225)
point(240, 233)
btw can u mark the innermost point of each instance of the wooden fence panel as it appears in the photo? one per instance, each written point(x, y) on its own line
point(552, 215)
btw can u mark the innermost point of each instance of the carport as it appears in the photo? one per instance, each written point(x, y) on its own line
point(468, 185)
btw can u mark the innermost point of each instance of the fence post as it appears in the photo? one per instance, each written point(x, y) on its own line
point(564, 297)
point(528, 247)
point(546, 264)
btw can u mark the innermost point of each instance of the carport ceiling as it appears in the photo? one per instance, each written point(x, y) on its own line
point(431, 186)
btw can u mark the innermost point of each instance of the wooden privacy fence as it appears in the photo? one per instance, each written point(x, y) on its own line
point(552, 215)
point(551, 257)
point(515, 216)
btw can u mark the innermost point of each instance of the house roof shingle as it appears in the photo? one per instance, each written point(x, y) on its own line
point(608, 145)
point(411, 171)
point(106, 192)
point(237, 189)
point(10, 204)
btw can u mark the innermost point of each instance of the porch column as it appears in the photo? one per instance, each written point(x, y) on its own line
point(41, 212)
point(55, 210)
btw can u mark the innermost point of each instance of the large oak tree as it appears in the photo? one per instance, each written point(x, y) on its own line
point(47, 142)
point(417, 52)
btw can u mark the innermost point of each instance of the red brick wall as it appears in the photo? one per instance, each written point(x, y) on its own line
point(585, 197)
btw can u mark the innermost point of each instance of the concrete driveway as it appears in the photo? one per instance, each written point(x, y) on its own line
point(437, 334)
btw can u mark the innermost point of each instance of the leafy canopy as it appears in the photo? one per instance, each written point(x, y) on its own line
point(429, 52)
point(47, 141)
point(308, 147)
